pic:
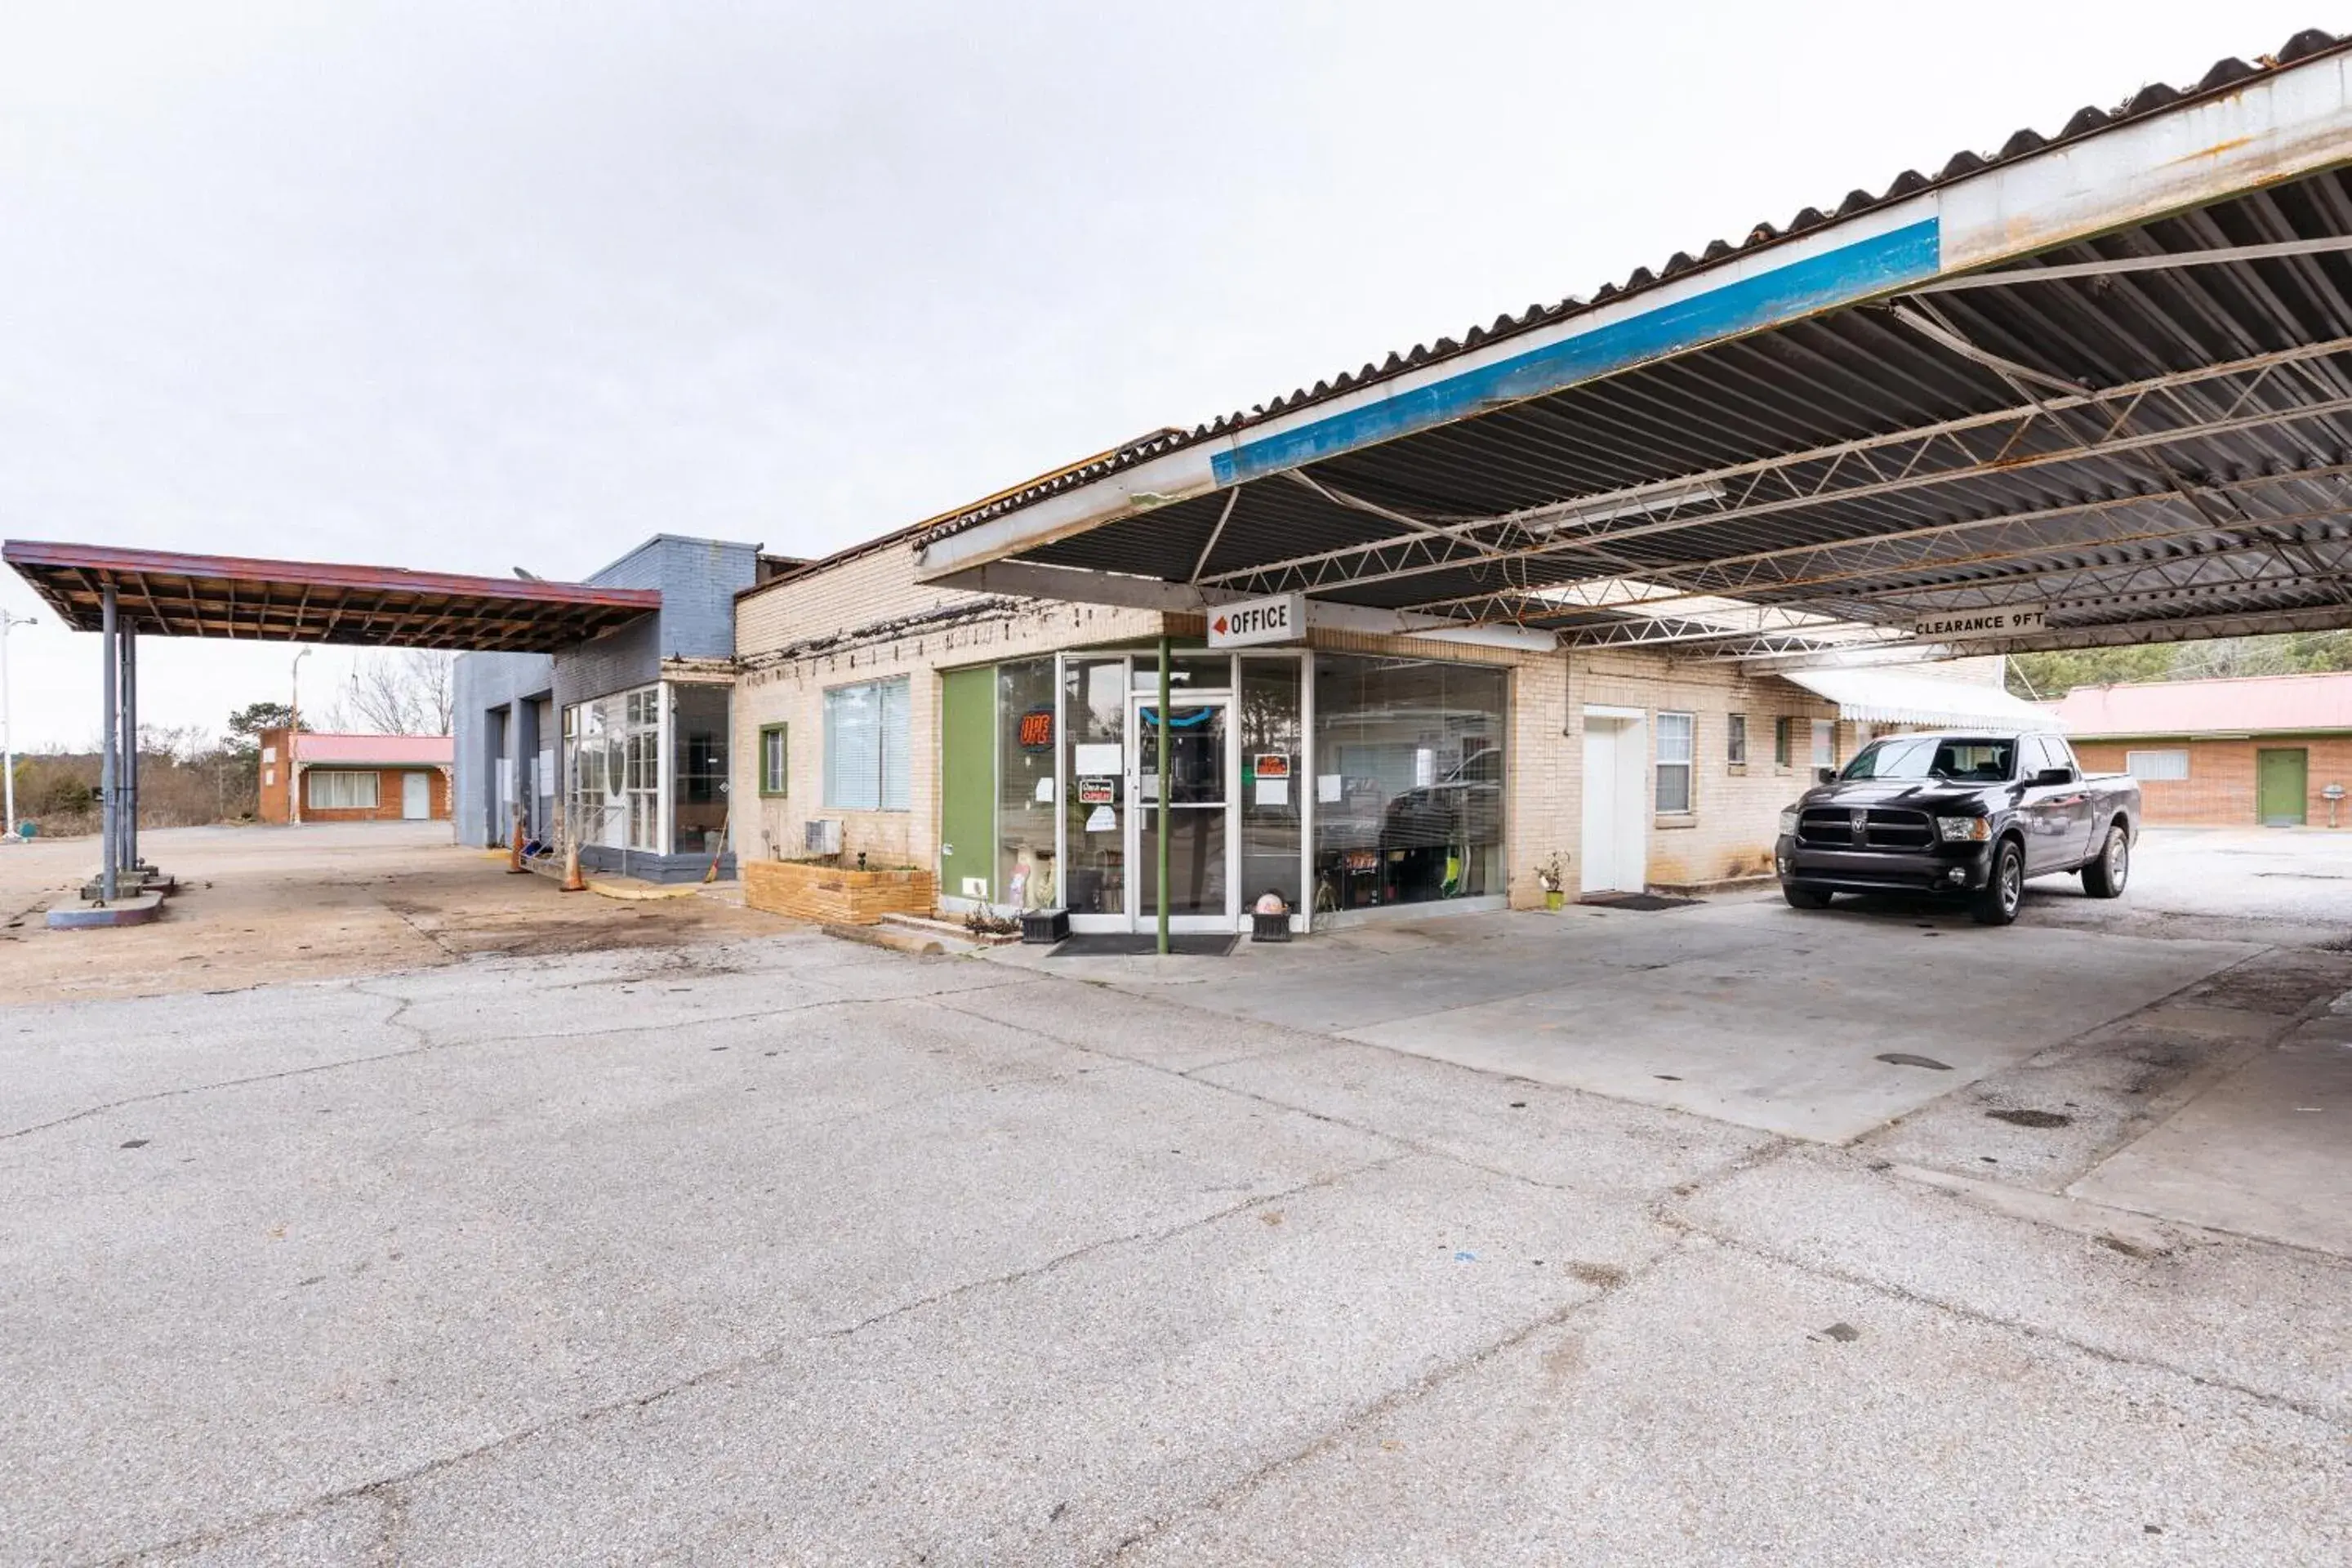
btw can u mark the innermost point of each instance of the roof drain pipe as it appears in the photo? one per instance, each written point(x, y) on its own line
point(1159, 719)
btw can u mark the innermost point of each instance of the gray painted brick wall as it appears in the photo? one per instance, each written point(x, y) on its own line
point(483, 682)
point(698, 579)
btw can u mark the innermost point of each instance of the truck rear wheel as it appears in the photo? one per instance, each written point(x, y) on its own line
point(2105, 877)
point(2004, 889)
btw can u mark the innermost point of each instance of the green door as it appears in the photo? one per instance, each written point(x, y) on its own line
point(2281, 780)
point(968, 784)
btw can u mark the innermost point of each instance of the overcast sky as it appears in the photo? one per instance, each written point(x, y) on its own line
point(475, 286)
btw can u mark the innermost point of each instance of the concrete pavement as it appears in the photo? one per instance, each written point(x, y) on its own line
point(764, 1247)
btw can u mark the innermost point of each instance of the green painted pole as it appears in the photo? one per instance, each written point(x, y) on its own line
point(1165, 732)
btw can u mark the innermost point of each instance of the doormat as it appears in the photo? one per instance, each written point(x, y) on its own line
point(1125, 944)
point(1640, 901)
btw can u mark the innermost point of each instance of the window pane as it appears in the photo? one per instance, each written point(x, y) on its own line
point(1824, 743)
point(697, 796)
point(1026, 756)
point(2157, 766)
point(1735, 738)
point(1383, 726)
point(1093, 713)
point(1673, 787)
point(776, 773)
point(1273, 779)
point(852, 748)
point(895, 708)
point(1675, 737)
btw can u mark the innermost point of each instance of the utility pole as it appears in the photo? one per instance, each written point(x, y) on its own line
point(7, 734)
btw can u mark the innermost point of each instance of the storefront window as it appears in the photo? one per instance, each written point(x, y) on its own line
point(612, 751)
point(1026, 737)
point(697, 727)
point(1273, 770)
point(1094, 718)
point(1409, 776)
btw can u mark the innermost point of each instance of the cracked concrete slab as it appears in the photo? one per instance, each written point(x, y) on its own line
point(749, 1245)
point(2202, 1304)
point(1039, 1419)
point(1707, 1413)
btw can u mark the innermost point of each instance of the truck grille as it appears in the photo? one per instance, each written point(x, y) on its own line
point(1883, 827)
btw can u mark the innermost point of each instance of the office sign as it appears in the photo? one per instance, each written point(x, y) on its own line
point(1248, 623)
point(1966, 624)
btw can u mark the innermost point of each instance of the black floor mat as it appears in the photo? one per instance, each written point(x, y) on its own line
point(1642, 901)
point(1126, 944)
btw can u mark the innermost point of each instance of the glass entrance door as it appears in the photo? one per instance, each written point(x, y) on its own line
point(1198, 816)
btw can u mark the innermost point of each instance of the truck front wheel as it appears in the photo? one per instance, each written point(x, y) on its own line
point(2004, 889)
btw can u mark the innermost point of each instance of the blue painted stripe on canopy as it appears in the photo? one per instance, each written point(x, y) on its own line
point(1836, 276)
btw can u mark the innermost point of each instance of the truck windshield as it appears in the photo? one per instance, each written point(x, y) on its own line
point(1966, 759)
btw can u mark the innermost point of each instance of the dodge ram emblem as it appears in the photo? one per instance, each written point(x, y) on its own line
point(1860, 822)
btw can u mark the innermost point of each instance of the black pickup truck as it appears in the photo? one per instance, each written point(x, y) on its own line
point(1963, 815)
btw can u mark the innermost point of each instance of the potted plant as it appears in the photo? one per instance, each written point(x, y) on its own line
point(1551, 876)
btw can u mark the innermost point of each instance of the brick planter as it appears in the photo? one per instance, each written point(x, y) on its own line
point(836, 895)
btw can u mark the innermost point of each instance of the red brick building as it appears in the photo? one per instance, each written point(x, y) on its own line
point(311, 777)
point(2223, 753)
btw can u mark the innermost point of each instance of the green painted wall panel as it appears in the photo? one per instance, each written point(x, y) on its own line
point(967, 780)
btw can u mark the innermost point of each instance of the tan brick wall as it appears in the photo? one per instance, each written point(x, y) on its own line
point(867, 592)
point(1736, 810)
point(1728, 836)
point(2220, 791)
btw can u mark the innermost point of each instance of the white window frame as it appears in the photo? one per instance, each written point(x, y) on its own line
point(1734, 740)
point(338, 782)
point(2136, 764)
point(891, 787)
point(1668, 764)
point(1824, 742)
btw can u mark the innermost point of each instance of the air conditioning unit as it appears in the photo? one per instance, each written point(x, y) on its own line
point(822, 835)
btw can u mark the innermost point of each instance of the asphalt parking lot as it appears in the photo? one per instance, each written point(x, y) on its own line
point(1535, 1238)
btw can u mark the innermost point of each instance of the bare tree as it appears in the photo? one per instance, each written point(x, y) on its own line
point(412, 692)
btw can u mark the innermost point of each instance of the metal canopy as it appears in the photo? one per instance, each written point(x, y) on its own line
point(2107, 379)
point(164, 594)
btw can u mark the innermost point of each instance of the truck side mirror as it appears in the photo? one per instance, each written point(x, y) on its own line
point(1825, 775)
point(2054, 777)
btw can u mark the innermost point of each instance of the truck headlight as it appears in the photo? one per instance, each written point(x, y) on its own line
point(1788, 823)
point(1964, 829)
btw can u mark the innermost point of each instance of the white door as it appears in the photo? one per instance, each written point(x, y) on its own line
point(1204, 829)
point(1616, 845)
point(416, 798)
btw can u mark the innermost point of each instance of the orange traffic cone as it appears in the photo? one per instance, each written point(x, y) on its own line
point(573, 882)
point(515, 868)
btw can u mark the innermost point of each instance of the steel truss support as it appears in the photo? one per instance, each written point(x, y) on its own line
point(1821, 577)
point(1766, 656)
point(2002, 443)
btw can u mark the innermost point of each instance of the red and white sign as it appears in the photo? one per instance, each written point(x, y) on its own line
point(1248, 623)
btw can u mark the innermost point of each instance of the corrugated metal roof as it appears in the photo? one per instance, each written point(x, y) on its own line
point(379, 750)
point(164, 592)
point(2225, 76)
point(2269, 704)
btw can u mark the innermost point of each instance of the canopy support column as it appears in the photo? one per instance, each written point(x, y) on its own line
point(130, 831)
point(110, 735)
